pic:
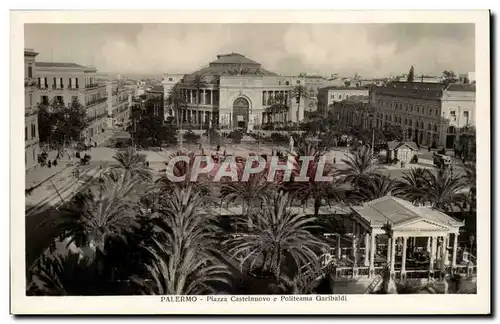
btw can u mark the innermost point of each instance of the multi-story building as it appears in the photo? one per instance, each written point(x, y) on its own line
point(430, 113)
point(31, 138)
point(236, 93)
point(353, 112)
point(458, 106)
point(168, 82)
point(63, 83)
point(329, 95)
point(118, 104)
point(149, 104)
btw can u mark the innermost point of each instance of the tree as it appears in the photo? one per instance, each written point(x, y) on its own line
point(393, 133)
point(373, 187)
point(319, 191)
point(177, 100)
point(442, 190)
point(150, 131)
point(413, 184)
point(132, 163)
point(360, 164)
point(299, 92)
point(278, 237)
point(90, 221)
point(251, 192)
point(411, 74)
point(46, 122)
point(198, 83)
point(60, 123)
point(67, 274)
point(449, 77)
point(185, 256)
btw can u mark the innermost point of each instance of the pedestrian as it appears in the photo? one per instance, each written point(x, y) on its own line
point(334, 160)
point(147, 164)
point(224, 152)
point(49, 164)
point(55, 162)
point(218, 148)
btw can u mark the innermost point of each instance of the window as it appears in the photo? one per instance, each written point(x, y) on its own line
point(453, 116)
point(25, 132)
point(418, 109)
point(298, 81)
point(340, 96)
point(437, 112)
point(30, 71)
point(33, 130)
point(435, 128)
point(31, 99)
point(430, 112)
point(74, 98)
point(466, 114)
point(287, 82)
point(411, 122)
point(170, 79)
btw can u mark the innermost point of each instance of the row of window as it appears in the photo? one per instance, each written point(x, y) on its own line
point(44, 100)
point(408, 107)
point(58, 83)
point(33, 132)
point(407, 122)
point(453, 115)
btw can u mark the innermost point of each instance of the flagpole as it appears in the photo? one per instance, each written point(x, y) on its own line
point(373, 139)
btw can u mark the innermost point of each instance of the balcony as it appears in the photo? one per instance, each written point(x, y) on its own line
point(92, 86)
point(57, 87)
point(73, 87)
point(96, 117)
point(96, 102)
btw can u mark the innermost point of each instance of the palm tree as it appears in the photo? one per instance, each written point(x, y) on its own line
point(279, 237)
point(444, 191)
point(67, 274)
point(250, 192)
point(164, 185)
point(177, 100)
point(470, 178)
point(413, 184)
point(374, 187)
point(198, 83)
point(133, 163)
point(360, 164)
point(298, 93)
point(92, 220)
point(319, 191)
point(185, 257)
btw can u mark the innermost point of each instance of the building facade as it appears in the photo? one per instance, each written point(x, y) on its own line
point(236, 92)
point(353, 112)
point(63, 83)
point(327, 96)
point(31, 138)
point(168, 83)
point(429, 113)
point(119, 99)
point(459, 108)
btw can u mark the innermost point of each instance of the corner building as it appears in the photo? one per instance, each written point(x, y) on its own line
point(31, 138)
point(236, 93)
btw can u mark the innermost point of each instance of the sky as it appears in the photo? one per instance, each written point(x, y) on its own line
point(370, 50)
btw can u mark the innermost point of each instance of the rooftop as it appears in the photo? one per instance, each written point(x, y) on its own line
point(229, 64)
point(428, 90)
point(397, 144)
point(365, 87)
point(462, 87)
point(59, 65)
point(156, 88)
point(397, 212)
point(233, 58)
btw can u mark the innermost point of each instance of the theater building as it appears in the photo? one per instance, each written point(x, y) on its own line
point(235, 92)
